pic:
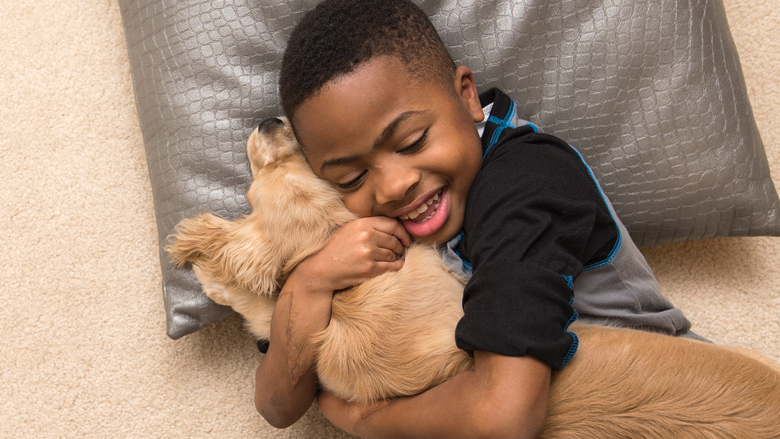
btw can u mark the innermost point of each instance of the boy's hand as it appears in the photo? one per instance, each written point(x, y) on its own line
point(362, 249)
point(501, 397)
point(346, 415)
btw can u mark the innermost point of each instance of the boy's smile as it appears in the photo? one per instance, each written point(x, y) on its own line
point(396, 146)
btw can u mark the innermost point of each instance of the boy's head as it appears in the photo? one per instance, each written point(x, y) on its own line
point(382, 113)
point(338, 36)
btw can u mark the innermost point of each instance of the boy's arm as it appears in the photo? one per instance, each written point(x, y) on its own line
point(286, 382)
point(501, 397)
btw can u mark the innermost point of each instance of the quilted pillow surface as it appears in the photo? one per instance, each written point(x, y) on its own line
point(649, 91)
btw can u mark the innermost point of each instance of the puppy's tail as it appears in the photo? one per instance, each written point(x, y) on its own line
point(198, 240)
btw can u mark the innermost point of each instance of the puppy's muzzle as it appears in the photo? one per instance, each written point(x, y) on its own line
point(270, 124)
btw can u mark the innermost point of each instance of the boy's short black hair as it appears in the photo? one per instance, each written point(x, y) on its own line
point(339, 35)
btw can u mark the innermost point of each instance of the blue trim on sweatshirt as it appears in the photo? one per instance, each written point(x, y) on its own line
point(576, 342)
point(619, 241)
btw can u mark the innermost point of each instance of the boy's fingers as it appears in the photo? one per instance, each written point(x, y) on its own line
point(402, 234)
point(385, 255)
point(392, 226)
point(390, 266)
point(390, 242)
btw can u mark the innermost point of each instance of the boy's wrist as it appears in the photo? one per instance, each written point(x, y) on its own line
point(307, 277)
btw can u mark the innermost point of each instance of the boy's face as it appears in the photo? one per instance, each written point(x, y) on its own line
point(396, 146)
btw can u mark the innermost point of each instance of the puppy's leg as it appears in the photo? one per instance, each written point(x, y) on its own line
point(205, 242)
point(200, 241)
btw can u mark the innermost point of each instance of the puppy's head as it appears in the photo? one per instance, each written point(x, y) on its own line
point(294, 212)
point(271, 142)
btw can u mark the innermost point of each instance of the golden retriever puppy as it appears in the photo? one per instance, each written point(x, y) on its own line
point(394, 335)
point(389, 336)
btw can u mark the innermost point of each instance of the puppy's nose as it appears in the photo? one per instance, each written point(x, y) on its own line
point(270, 123)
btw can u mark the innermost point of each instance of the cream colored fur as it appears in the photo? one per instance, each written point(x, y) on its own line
point(394, 335)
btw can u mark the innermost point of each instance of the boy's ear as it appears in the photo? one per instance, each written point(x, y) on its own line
point(466, 89)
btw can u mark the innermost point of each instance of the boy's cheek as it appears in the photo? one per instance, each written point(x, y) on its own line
point(358, 204)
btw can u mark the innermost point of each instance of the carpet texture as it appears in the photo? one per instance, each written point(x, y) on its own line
point(84, 353)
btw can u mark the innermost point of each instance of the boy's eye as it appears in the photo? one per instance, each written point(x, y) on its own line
point(352, 183)
point(416, 146)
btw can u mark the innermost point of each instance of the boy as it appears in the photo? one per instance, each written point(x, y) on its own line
point(384, 115)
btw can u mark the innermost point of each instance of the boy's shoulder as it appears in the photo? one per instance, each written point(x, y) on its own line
point(510, 141)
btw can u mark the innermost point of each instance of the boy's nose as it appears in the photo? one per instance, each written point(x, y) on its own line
point(396, 184)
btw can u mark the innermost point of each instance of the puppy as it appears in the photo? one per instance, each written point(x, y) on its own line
point(372, 347)
point(394, 335)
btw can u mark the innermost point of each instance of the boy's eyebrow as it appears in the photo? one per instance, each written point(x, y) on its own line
point(386, 134)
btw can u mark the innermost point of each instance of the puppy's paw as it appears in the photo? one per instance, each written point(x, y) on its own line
point(217, 290)
point(197, 239)
point(272, 141)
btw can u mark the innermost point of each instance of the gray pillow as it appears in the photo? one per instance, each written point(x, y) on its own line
point(650, 91)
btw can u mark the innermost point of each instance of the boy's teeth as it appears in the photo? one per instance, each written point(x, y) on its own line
point(423, 207)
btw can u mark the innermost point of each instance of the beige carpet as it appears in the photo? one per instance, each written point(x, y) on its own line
point(83, 350)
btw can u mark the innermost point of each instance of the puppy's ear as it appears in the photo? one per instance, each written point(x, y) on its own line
point(272, 141)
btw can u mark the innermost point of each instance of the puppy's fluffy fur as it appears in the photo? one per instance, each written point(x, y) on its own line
point(394, 335)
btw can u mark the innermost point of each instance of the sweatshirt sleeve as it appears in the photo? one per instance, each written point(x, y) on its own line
point(534, 218)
